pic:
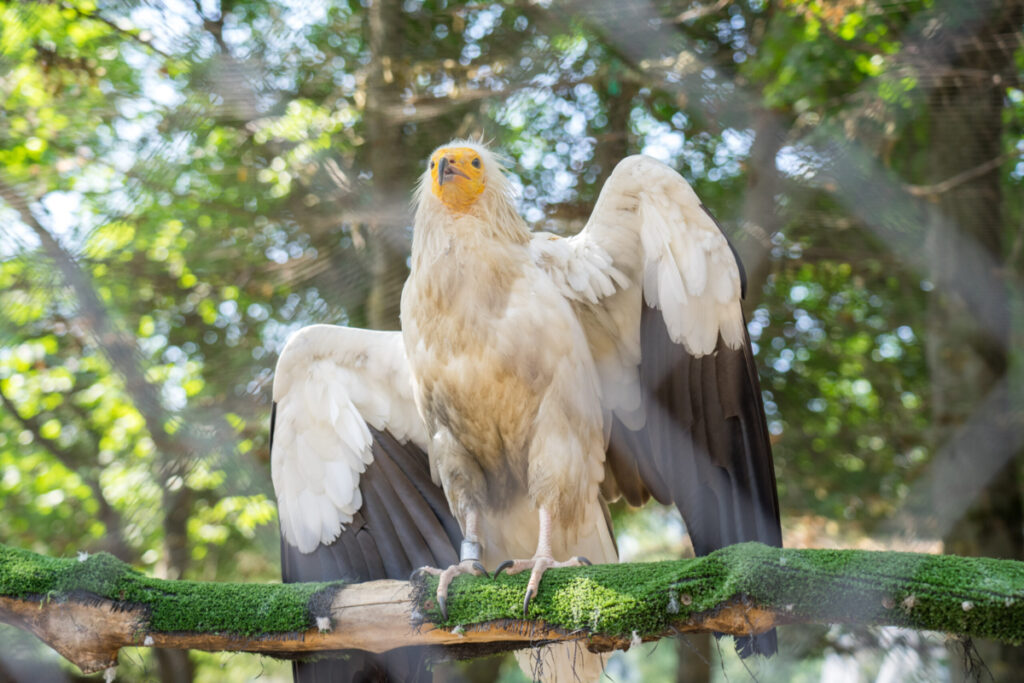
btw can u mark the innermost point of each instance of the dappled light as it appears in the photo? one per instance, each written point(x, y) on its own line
point(186, 183)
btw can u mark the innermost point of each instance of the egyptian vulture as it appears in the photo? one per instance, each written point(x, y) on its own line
point(535, 378)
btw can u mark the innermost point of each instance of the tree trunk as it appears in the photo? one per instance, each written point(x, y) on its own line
point(761, 219)
point(617, 145)
point(391, 184)
point(967, 345)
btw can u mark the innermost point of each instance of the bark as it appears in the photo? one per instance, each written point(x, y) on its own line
point(376, 617)
point(87, 610)
point(616, 145)
point(387, 244)
point(761, 216)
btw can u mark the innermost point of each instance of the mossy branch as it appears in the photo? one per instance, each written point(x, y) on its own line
point(89, 608)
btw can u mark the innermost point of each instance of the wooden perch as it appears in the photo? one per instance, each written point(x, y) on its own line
point(87, 610)
point(374, 616)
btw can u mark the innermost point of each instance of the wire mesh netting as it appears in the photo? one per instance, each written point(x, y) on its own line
point(183, 184)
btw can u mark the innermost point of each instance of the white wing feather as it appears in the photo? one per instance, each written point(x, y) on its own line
point(649, 235)
point(331, 382)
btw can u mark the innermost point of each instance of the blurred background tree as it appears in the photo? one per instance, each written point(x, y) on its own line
point(184, 183)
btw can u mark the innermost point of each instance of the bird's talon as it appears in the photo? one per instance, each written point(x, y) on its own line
point(442, 606)
point(418, 574)
point(526, 602)
point(583, 560)
point(502, 567)
point(480, 568)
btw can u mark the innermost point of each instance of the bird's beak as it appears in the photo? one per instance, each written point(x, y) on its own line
point(446, 170)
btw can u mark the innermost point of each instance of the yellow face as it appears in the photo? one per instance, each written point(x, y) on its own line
point(457, 177)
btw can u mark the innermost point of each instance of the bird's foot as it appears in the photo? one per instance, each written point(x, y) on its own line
point(473, 567)
point(537, 566)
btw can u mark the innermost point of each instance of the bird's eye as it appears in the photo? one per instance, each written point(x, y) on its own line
point(476, 162)
point(431, 164)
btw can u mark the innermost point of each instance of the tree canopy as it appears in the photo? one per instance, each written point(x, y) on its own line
point(185, 183)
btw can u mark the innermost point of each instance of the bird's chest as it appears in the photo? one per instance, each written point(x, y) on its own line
point(476, 327)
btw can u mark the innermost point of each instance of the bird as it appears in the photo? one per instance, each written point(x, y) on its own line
point(535, 378)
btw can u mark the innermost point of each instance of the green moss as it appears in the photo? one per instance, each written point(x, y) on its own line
point(245, 609)
point(973, 596)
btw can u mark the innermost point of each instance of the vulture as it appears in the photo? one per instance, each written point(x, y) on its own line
point(536, 377)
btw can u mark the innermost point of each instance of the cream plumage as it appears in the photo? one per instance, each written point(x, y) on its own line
point(542, 375)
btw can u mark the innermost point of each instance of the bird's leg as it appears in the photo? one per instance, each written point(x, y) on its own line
point(469, 563)
point(541, 561)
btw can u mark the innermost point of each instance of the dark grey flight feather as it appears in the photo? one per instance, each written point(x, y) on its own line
point(704, 447)
point(403, 524)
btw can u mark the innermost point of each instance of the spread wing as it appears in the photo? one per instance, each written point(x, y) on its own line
point(353, 485)
point(658, 289)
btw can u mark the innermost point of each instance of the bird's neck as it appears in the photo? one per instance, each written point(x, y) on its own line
point(440, 232)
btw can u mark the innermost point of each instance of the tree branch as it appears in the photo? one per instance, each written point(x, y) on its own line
point(72, 459)
point(88, 609)
point(125, 358)
point(700, 11)
point(118, 346)
point(960, 178)
point(131, 34)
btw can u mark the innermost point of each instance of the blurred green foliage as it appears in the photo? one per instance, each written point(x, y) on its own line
point(216, 174)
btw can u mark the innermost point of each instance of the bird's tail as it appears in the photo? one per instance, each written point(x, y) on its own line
point(594, 540)
point(562, 663)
